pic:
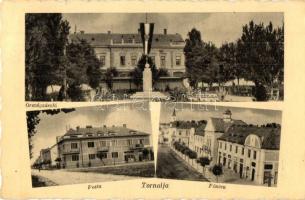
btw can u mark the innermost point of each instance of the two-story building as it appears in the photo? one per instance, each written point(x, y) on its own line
point(252, 152)
point(123, 50)
point(93, 146)
point(214, 129)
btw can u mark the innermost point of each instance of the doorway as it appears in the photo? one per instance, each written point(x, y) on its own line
point(253, 175)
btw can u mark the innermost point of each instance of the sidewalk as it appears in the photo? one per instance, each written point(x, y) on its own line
point(228, 176)
point(61, 177)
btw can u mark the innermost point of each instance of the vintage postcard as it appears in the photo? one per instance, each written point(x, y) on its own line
point(152, 100)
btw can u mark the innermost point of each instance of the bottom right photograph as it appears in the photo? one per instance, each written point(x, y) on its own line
point(219, 144)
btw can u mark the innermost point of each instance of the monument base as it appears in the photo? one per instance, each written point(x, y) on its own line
point(149, 95)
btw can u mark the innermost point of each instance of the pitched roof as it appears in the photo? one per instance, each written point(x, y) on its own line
point(200, 129)
point(100, 39)
point(221, 126)
point(270, 136)
point(113, 131)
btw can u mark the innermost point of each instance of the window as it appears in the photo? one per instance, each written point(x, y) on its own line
point(230, 147)
point(122, 60)
point(236, 149)
point(225, 146)
point(75, 157)
point(220, 145)
point(178, 60)
point(103, 143)
point(102, 60)
point(129, 142)
point(268, 166)
point(249, 153)
point(115, 154)
point(91, 156)
point(243, 151)
point(74, 146)
point(163, 61)
point(90, 144)
point(113, 143)
point(134, 60)
point(254, 154)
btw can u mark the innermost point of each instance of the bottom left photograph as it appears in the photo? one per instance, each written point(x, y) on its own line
point(90, 144)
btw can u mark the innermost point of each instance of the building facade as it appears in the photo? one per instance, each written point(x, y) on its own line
point(252, 152)
point(214, 129)
point(123, 51)
point(95, 146)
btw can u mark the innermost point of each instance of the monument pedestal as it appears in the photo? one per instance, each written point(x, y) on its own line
point(147, 88)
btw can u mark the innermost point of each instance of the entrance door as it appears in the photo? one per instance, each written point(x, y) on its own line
point(253, 174)
point(241, 170)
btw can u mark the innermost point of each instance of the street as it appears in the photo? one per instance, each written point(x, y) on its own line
point(61, 177)
point(171, 167)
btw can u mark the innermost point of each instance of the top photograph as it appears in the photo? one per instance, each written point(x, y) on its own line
point(180, 57)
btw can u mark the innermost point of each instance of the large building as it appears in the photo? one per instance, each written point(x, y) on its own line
point(122, 51)
point(215, 128)
point(48, 156)
point(93, 146)
point(252, 152)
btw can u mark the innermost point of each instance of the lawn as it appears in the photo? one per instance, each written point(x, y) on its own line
point(140, 170)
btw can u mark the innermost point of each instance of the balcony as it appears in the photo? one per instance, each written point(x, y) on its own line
point(102, 148)
point(136, 146)
point(70, 151)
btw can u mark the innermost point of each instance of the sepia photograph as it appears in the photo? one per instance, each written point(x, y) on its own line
point(219, 144)
point(90, 144)
point(197, 57)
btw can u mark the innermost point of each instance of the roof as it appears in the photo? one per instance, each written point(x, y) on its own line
point(198, 125)
point(270, 136)
point(114, 131)
point(221, 126)
point(101, 39)
point(200, 129)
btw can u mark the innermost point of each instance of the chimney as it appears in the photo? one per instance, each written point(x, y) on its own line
point(82, 32)
point(109, 32)
point(124, 125)
point(105, 126)
point(165, 31)
point(77, 128)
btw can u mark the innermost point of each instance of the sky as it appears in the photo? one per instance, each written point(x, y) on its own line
point(215, 27)
point(203, 112)
point(51, 126)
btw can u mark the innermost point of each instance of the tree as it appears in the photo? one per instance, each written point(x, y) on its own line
point(137, 73)
point(217, 171)
point(192, 155)
point(45, 40)
point(193, 51)
point(108, 76)
point(83, 68)
point(200, 59)
point(32, 119)
point(228, 57)
point(203, 162)
point(261, 53)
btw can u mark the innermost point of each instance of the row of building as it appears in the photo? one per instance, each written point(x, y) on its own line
point(252, 152)
point(96, 146)
point(123, 51)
